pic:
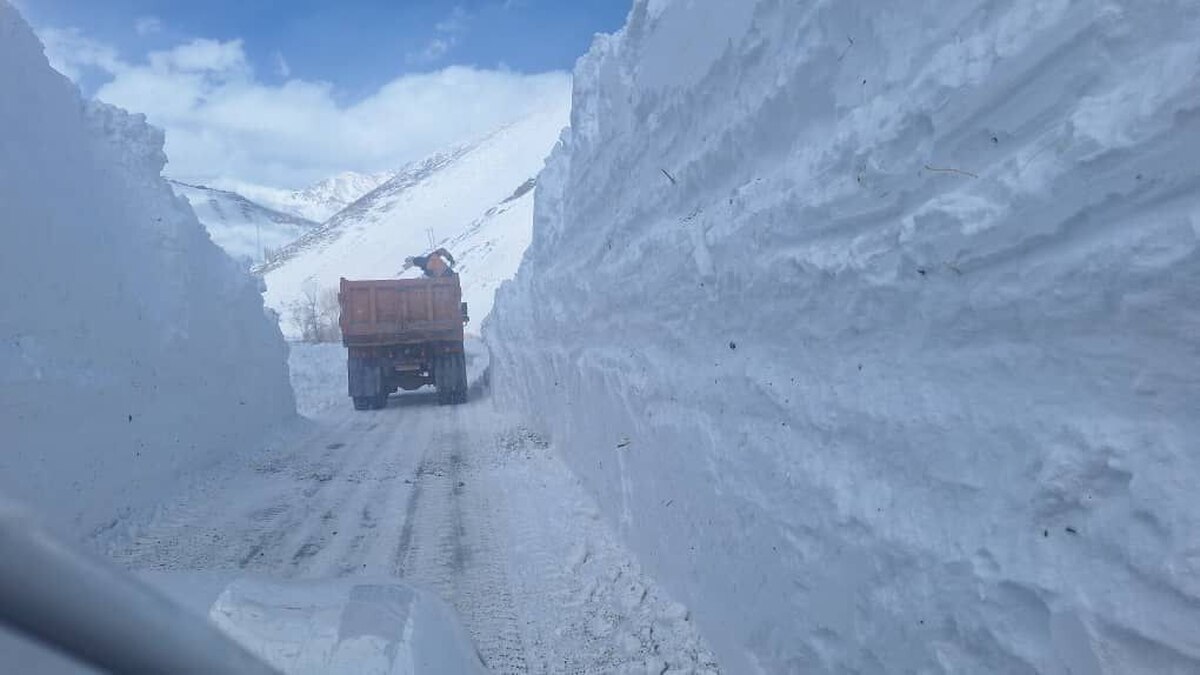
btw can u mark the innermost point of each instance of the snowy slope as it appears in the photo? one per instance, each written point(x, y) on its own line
point(239, 226)
point(321, 200)
point(874, 328)
point(489, 250)
point(132, 349)
point(476, 200)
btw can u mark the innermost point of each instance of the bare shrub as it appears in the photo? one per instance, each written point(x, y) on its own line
point(315, 314)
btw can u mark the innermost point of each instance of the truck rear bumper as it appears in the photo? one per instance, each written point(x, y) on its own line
point(381, 369)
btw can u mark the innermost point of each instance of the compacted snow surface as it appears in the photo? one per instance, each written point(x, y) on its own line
point(873, 327)
point(458, 500)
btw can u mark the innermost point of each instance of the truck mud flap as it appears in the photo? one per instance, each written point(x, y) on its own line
point(450, 378)
point(364, 377)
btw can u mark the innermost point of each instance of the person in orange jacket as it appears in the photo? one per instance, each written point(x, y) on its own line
point(437, 264)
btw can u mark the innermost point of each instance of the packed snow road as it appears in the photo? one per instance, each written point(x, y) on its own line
point(457, 499)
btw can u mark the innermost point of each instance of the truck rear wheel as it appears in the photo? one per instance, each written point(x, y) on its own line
point(366, 382)
point(441, 379)
point(450, 378)
point(380, 401)
point(461, 383)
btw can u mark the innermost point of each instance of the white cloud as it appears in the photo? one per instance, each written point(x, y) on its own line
point(448, 32)
point(282, 68)
point(455, 24)
point(71, 53)
point(147, 25)
point(201, 56)
point(224, 125)
point(434, 51)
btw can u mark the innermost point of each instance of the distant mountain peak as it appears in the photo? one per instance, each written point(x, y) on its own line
point(246, 229)
point(475, 199)
point(343, 189)
point(321, 200)
point(411, 175)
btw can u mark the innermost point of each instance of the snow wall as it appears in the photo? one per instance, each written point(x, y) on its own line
point(132, 350)
point(875, 326)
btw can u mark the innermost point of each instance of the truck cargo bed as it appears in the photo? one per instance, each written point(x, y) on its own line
point(401, 311)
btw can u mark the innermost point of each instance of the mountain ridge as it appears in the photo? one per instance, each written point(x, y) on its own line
point(323, 199)
point(244, 228)
point(476, 199)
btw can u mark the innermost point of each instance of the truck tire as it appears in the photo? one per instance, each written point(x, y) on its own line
point(450, 379)
point(461, 381)
point(364, 377)
point(380, 401)
point(441, 370)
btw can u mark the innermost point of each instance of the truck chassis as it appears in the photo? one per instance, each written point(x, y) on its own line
point(376, 372)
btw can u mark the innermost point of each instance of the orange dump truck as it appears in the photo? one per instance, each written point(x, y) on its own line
point(403, 334)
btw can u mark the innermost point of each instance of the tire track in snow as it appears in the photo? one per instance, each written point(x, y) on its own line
point(328, 543)
point(430, 494)
point(586, 603)
point(359, 516)
point(215, 525)
point(260, 519)
point(446, 543)
point(317, 476)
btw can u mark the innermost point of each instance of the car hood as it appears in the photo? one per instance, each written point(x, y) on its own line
point(367, 626)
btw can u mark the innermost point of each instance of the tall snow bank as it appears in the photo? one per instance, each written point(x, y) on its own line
point(876, 328)
point(132, 350)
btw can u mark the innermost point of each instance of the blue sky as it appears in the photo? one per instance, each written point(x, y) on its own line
point(280, 94)
point(358, 45)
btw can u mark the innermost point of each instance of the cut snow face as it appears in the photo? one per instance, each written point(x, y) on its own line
point(875, 330)
point(246, 231)
point(132, 349)
point(475, 200)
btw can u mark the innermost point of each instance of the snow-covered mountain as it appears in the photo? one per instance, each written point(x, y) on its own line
point(476, 200)
point(243, 228)
point(323, 199)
